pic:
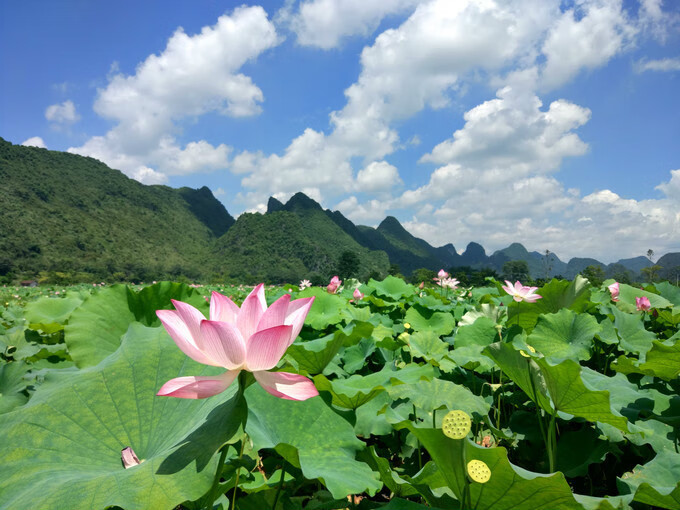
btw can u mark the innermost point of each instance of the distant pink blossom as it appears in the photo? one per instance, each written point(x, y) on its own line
point(614, 289)
point(129, 457)
point(449, 283)
point(358, 295)
point(304, 284)
point(520, 292)
point(642, 303)
point(442, 274)
point(421, 286)
point(334, 285)
point(252, 338)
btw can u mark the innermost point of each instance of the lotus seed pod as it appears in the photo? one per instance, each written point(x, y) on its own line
point(478, 471)
point(456, 424)
point(523, 353)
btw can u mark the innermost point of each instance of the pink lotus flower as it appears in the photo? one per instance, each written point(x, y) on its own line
point(358, 295)
point(129, 457)
point(642, 303)
point(614, 289)
point(252, 338)
point(304, 284)
point(421, 286)
point(449, 283)
point(520, 292)
point(442, 274)
point(334, 285)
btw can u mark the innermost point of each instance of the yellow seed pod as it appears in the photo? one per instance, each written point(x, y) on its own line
point(533, 351)
point(456, 424)
point(407, 325)
point(478, 471)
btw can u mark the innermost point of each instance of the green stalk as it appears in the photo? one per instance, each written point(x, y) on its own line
point(539, 414)
point(278, 490)
point(466, 488)
point(420, 458)
point(552, 439)
point(518, 310)
point(214, 490)
point(238, 472)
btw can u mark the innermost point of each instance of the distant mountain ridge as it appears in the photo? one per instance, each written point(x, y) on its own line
point(64, 212)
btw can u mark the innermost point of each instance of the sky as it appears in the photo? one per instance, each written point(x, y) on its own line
point(551, 123)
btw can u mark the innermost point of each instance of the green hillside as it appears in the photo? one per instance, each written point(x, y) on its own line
point(67, 213)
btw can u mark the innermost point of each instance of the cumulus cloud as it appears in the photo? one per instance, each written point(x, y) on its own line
point(664, 65)
point(194, 75)
point(586, 36)
point(378, 176)
point(64, 113)
point(370, 212)
point(34, 141)
point(324, 23)
point(671, 188)
point(407, 69)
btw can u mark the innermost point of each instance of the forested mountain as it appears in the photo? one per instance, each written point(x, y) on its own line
point(66, 214)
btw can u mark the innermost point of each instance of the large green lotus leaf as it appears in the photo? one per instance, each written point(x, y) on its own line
point(356, 390)
point(562, 384)
point(522, 371)
point(371, 420)
point(326, 310)
point(627, 295)
point(556, 294)
point(606, 503)
point(312, 437)
point(354, 358)
point(436, 394)
point(607, 333)
point(669, 292)
point(564, 334)
point(313, 356)
point(428, 346)
point(656, 483)
point(50, 310)
point(510, 487)
point(13, 343)
point(634, 337)
point(392, 287)
point(662, 361)
point(570, 395)
point(157, 297)
point(94, 329)
point(63, 448)
point(13, 384)
point(422, 319)
point(491, 312)
point(481, 332)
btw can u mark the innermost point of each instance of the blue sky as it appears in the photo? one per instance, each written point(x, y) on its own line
point(555, 124)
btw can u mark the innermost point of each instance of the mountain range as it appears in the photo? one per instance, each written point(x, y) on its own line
point(64, 213)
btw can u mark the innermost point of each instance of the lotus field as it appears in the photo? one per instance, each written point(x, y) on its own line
point(375, 395)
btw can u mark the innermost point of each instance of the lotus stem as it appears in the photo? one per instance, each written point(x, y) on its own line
point(280, 487)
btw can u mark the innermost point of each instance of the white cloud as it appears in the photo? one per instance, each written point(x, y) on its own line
point(664, 64)
point(64, 113)
point(147, 175)
point(194, 75)
point(34, 141)
point(513, 135)
point(378, 176)
point(671, 188)
point(586, 36)
point(324, 23)
point(370, 212)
